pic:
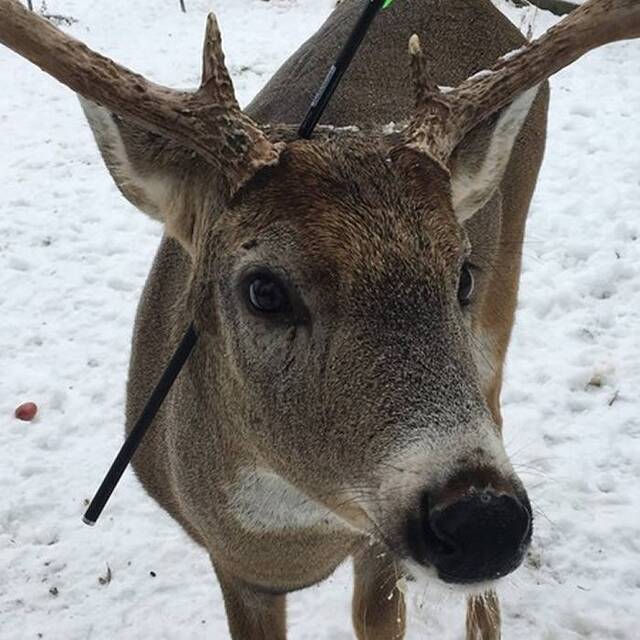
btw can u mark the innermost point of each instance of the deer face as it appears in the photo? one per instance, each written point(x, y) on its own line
point(337, 286)
point(333, 289)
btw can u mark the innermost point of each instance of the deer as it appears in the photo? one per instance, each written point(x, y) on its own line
point(354, 295)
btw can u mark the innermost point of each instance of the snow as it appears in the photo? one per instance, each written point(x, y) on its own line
point(73, 259)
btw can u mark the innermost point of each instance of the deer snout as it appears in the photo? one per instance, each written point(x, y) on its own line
point(472, 535)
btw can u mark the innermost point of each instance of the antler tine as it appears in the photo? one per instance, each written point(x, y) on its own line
point(215, 77)
point(595, 23)
point(217, 131)
point(428, 130)
point(422, 85)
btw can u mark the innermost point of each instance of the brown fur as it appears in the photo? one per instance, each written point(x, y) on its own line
point(364, 418)
point(349, 224)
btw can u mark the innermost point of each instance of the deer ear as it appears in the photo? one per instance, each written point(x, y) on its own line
point(122, 161)
point(479, 162)
point(159, 177)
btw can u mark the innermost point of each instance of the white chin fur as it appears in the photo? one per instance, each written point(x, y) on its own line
point(426, 578)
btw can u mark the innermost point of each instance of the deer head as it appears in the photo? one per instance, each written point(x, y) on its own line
point(330, 282)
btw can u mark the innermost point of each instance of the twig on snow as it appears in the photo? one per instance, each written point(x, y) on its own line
point(559, 7)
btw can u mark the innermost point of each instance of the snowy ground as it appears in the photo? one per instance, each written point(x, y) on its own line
point(73, 258)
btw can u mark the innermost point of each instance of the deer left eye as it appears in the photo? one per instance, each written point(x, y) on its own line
point(465, 286)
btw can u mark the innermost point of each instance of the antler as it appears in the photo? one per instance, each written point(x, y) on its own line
point(208, 121)
point(443, 119)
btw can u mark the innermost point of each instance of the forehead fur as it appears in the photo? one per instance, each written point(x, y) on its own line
point(344, 201)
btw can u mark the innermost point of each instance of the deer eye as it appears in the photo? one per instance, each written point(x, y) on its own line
point(267, 294)
point(465, 286)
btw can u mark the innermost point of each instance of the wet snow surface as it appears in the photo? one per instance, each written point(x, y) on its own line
point(73, 259)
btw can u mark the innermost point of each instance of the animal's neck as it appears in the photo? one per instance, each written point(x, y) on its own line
point(460, 38)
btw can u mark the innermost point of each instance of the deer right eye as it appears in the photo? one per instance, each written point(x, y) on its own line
point(267, 295)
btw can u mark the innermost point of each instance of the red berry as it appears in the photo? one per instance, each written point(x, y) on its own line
point(26, 411)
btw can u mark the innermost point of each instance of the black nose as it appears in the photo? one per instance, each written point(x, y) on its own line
point(481, 536)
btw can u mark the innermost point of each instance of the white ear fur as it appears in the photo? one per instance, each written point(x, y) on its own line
point(475, 178)
point(144, 192)
point(160, 179)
